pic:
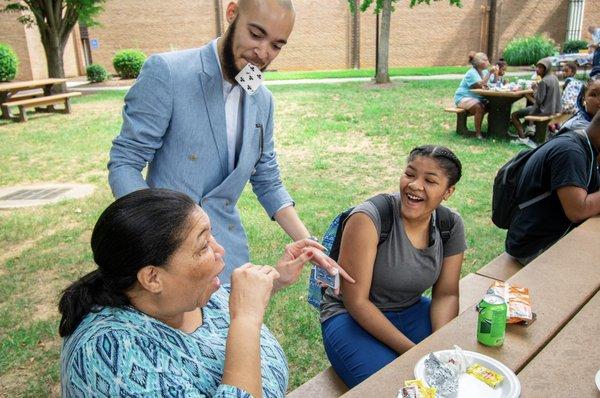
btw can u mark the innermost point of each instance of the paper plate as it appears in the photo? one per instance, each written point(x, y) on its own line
point(598, 379)
point(469, 386)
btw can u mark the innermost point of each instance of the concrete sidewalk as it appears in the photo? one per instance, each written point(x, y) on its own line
point(79, 83)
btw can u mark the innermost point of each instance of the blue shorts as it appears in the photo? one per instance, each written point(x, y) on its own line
point(355, 354)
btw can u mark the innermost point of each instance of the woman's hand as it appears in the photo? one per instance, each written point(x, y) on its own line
point(299, 253)
point(251, 287)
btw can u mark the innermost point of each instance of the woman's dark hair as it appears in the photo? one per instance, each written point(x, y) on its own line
point(139, 229)
point(501, 64)
point(446, 159)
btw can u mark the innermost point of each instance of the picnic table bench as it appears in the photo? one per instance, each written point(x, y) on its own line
point(541, 123)
point(561, 281)
point(43, 101)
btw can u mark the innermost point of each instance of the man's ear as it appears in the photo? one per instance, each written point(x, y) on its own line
point(231, 12)
point(449, 192)
point(150, 279)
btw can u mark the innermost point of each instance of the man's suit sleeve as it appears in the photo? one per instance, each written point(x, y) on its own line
point(266, 181)
point(146, 116)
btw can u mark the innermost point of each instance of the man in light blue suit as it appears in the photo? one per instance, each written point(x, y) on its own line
point(200, 133)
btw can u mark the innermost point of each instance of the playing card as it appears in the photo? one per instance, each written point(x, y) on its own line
point(250, 78)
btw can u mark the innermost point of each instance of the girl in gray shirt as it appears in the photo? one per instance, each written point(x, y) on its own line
point(384, 313)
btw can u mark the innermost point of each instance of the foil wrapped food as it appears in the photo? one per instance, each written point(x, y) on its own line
point(440, 376)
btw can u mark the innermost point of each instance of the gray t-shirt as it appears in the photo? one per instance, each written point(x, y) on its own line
point(401, 272)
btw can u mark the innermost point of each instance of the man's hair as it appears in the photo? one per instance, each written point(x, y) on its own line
point(572, 66)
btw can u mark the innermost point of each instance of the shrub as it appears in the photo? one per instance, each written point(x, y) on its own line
point(128, 63)
point(96, 73)
point(9, 63)
point(529, 50)
point(573, 46)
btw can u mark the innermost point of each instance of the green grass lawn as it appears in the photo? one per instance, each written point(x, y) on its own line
point(366, 72)
point(337, 145)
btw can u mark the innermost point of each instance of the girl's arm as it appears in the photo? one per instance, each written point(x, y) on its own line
point(444, 296)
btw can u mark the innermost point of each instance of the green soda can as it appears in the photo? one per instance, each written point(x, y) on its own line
point(491, 322)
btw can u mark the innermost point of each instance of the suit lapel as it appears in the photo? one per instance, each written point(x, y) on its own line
point(249, 150)
point(212, 87)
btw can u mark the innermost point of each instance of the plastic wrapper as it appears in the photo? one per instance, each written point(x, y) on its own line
point(455, 360)
point(518, 300)
point(409, 392)
point(423, 391)
point(440, 376)
point(486, 375)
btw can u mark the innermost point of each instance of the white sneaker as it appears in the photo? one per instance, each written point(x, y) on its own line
point(530, 131)
point(528, 142)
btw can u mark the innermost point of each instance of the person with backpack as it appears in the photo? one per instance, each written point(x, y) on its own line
point(557, 188)
point(384, 313)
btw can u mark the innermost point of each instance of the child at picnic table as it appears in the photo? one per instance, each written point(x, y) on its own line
point(498, 79)
point(476, 77)
point(384, 313)
point(567, 169)
point(546, 101)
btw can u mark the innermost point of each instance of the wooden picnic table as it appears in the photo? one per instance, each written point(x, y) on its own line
point(561, 282)
point(8, 90)
point(500, 109)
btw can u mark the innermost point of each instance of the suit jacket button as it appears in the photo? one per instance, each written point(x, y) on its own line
point(231, 227)
point(193, 156)
point(204, 201)
point(227, 202)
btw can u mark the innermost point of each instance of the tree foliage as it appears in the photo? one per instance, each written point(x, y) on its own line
point(55, 20)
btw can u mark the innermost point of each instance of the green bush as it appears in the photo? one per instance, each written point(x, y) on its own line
point(528, 50)
point(9, 63)
point(96, 73)
point(573, 46)
point(128, 63)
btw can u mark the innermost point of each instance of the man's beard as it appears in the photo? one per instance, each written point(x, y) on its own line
point(229, 68)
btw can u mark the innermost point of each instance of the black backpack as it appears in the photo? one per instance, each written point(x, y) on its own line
point(504, 192)
point(385, 207)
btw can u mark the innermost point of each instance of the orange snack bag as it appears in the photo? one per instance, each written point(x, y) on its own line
point(518, 300)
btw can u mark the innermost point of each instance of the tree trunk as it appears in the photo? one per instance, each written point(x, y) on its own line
point(54, 58)
point(382, 75)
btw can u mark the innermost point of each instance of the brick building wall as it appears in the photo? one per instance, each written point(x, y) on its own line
point(436, 34)
point(152, 26)
point(27, 44)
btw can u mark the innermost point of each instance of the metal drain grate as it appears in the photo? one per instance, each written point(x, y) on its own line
point(41, 194)
point(35, 194)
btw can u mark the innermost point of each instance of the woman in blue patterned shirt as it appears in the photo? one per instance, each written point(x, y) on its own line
point(153, 319)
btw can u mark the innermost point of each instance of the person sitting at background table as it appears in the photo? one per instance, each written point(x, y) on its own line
point(546, 101)
point(498, 79)
point(571, 89)
point(153, 318)
point(384, 313)
point(565, 170)
point(476, 77)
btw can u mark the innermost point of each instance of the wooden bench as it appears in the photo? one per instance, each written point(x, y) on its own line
point(23, 104)
point(327, 384)
point(501, 268)
point(542, 121)
point(461, 120)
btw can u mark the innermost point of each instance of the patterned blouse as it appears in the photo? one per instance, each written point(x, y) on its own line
point(123, 352)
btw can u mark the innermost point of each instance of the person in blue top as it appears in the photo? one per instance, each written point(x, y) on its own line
point(153, 319)
point(476, 77)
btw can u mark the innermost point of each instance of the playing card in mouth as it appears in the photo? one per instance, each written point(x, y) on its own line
point(250, 78)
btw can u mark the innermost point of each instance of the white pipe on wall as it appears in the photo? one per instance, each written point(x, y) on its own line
point(575, 19)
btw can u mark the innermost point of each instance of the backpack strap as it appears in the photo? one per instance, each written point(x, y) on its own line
point(384, 203)
point(444, 222)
